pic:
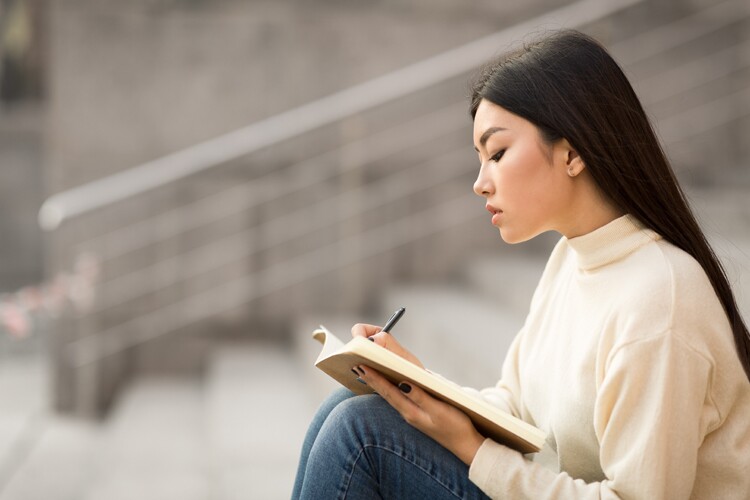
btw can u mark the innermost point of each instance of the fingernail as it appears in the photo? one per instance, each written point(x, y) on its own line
point(361, 381)
point(404, 387)
point(355, 372)
point(371, 339)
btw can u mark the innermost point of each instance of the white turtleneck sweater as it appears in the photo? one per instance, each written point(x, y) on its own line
point(627, 361)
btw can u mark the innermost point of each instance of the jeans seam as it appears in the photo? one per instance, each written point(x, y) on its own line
point(351, 474)
point(399, 455)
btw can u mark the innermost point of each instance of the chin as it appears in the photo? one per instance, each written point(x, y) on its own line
point(510, 238)
point(513, 238)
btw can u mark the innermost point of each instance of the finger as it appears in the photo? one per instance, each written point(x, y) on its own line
point(409, 410)
point(418, 396)
point(385, 339)
point(364, 330)
point(378, 382)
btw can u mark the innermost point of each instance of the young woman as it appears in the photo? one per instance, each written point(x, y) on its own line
point(633, 358)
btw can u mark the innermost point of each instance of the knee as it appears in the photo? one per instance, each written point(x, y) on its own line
point(362, 417)
point(358, 407)
point(336, 397)
point(329, 404)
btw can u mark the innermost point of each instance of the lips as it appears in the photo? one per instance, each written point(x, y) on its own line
point(496, 214)
point(492, 209)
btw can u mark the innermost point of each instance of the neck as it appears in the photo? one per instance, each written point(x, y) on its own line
point(591, 210)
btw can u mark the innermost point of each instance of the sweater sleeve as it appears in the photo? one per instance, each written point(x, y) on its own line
point(651, 414)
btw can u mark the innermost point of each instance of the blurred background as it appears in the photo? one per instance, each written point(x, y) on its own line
point(189, 187)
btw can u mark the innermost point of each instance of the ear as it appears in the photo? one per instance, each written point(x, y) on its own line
point(573, 161)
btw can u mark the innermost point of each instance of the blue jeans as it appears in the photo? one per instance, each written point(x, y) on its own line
point(359, 447)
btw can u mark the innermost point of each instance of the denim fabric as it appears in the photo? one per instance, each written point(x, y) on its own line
point(359, 447)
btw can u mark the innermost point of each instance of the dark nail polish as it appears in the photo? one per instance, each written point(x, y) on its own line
point(404, 387)
point(371, 339)
point(355, 372)
point(361, 381)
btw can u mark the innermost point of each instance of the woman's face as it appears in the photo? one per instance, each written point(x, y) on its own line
point(525, 181)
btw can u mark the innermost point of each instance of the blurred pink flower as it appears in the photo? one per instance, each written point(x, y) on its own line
point(14, 319)
point(76, 289)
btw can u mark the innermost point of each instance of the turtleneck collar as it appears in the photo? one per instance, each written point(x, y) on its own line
point(611, 242)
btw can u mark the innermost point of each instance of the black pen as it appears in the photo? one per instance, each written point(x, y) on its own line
point(387, 329)
point(394, 319)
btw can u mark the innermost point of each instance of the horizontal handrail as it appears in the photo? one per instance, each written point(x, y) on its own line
point(371, 242)
point(90, 349)
point(134, 236)
point(311, 116)
point(302, 175)
point(201, 259)
point(279, 276)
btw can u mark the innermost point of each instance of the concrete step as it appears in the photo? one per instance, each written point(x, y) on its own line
point(42, 455)
point(258, 409)
point(153, 446)
point(236, 434)
point(24, 384)
point(57, 459)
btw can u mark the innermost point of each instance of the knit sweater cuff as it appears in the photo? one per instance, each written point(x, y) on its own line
point(485, 464)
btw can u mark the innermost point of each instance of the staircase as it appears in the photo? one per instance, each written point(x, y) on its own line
point(235, 431)
point(233, 434)
point(202, 414)
point(229, 235)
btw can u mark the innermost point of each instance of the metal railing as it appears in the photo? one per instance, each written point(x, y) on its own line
point(264, 237)
point(196, 257)
point(311, 116)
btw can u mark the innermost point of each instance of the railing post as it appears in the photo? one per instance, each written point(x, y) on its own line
point(76, 389)
point(62, 373)
point(352, 280)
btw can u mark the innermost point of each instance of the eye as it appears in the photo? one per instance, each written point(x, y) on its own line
point(497, 156)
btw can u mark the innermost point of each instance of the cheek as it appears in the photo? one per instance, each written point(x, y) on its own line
point(525, 178)
point(530, 189)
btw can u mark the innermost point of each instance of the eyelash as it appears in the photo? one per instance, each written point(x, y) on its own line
point(498, 155)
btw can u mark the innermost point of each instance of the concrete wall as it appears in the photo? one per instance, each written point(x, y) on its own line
point(131, 81)
point(21, 194)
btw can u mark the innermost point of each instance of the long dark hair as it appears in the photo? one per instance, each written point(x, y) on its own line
point(568, 85)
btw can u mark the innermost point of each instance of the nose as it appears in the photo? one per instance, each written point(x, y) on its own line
point(483, 184)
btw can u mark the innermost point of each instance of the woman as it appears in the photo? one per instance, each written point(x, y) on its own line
point(633, 359)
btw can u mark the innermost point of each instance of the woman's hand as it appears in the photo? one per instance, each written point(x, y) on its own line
point(384, 339)
point(442, 422)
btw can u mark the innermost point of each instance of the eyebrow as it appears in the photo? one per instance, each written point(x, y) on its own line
point(487, 134)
